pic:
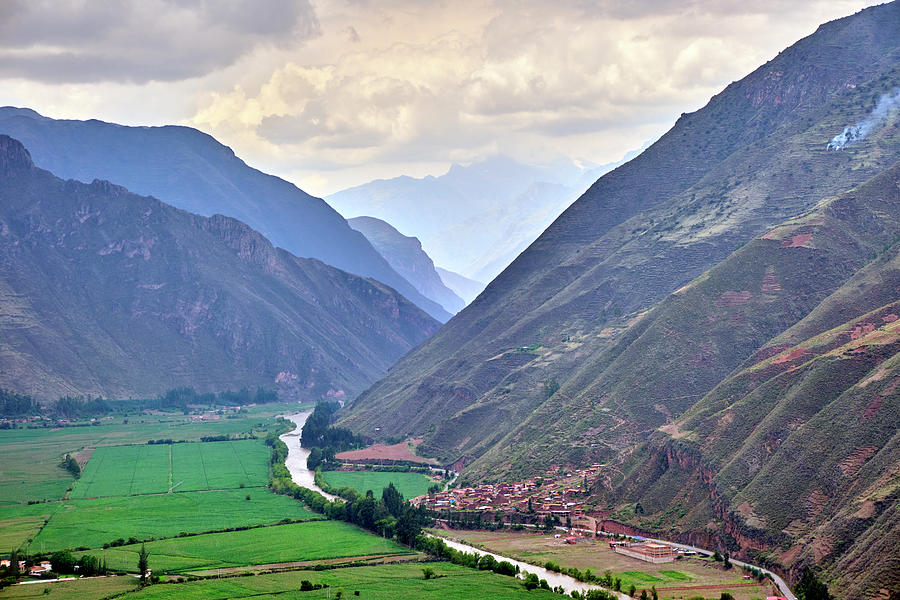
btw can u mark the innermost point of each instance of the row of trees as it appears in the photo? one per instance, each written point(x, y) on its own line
point(82, 407)
point(16, 405)
point(318, 433)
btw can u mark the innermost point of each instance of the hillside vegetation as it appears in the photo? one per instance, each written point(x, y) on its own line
point(670, 277)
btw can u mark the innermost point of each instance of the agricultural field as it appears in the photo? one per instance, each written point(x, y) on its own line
point(386, 582)
point(315, 540)
point(409, 484)
point(91, 523)
point(74, 589)
point(18, 524)
point(703, 577)
point(34, 475)
point(160, 468)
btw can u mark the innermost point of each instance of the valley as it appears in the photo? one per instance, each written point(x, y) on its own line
point(500, 357)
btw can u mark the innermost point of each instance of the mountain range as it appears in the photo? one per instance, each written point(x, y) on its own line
point(405, 255)
point(474, 219)
point(104, 292)
point(647, 328)
point(191, 170)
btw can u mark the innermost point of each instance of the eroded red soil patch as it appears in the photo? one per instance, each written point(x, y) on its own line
point(733, 299)
point(377, 452)
point(792, 355)
point(797, 241)
point(852, 463)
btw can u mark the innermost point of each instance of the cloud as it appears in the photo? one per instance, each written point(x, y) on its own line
point(72, 41)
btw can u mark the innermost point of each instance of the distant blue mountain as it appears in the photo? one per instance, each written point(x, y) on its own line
point(191, 170)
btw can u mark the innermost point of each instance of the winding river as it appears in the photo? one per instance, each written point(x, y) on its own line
point(302, 476)
point(297, 455)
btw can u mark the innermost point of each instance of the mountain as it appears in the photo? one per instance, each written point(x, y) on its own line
point(474, 219)
point(465, 288)
point(661, 281)
point(105, 292)
point(797, 451)
point(405, 255)
point(191, 170)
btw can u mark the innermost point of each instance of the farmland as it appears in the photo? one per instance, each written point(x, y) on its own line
point(386, 582)
point(74, 589)
point(34, 474)
point(596, 555)
point(318, 540)
point(151, 469)
point(409, 484)
point(92, 523)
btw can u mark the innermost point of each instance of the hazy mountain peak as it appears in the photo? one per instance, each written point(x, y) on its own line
point(13, 156)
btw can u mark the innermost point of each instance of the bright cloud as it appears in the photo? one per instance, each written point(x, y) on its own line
point(337, 92)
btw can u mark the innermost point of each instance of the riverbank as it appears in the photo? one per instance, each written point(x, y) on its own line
point(297, 455)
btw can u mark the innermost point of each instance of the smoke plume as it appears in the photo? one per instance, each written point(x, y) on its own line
point(887, 105)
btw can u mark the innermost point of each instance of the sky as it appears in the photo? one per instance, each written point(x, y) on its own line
point(334, 93)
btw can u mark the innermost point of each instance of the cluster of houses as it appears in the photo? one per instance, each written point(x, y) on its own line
point(35, 570)
point(556, 493)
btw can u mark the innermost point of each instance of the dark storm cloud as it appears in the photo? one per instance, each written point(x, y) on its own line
point(162, 40)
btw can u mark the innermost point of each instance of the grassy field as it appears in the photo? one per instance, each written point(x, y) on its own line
point(153, 469)
point(387, 582)
point(409, 484)
point(596, 555)
point(91, 523)
point(76, 589)
point(35, 474)
point(20, 523)
point(317, 540)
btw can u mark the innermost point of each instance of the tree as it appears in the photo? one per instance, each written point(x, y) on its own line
point(810, 588)
point(632, 590)
point(392, 499)
point(726, 596)
point(531, 582)
point(644, 595)
point(653, 593)
point(143, 563)
point(727, 560)
point(716, 556)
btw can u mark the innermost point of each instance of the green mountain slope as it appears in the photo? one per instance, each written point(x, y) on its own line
point(562, 314)
point(106, 292)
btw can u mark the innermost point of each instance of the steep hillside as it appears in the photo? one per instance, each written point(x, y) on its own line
point(106, 292)
point(405, 255)
point(795, 458)
point(190, 170)
point(547, 334)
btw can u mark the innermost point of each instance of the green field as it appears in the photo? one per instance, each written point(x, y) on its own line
point(387, 582)
point(315, 540)
point(35, 474)
point(21, 523)
point(76, 589)
point(153, 469)
point(91, 523)
point(409, 484)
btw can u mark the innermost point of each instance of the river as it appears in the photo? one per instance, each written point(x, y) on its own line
point(302, 476)
point(297, 455)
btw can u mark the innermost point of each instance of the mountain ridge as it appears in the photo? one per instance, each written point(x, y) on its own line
point(108, 293)
point(192, 170)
